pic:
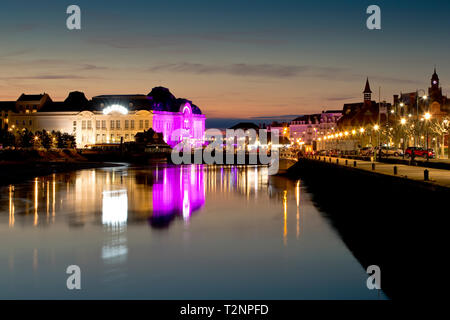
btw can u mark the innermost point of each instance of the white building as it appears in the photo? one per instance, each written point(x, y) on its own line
point(308, 128)
point(109, 118)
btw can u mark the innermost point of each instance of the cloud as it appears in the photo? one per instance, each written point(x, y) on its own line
point(247, 70)
point(45, 77)
point(183, 40)
point(92, 67)
point(344, 98)
point(15, 53)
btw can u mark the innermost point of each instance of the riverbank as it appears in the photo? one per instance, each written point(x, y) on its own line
point(385, 220)
point(14, 168)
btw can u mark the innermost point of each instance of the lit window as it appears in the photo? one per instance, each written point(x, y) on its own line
point(127, 122)
point(112, 124)
point(118, 124)
point(146, 124)
point(103, 124)
point(83, 124)
point(141, 124)
point(132, 124)
point(97, 124)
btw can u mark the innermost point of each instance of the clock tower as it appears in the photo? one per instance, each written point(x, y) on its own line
point(435, 92)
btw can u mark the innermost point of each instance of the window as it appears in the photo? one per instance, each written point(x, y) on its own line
point(127, 122)
point(74, 123)
point(112, 137)
point(126, 136)
point(97, 124)
point(112, 125)
point(146, 124)
point(132, 124)
point(89, 124)
point(141, 124)
point(118, 124)
point(31, 122)
point(83, 124)
point(103, 124)
point(98, 138)
point(103, 137)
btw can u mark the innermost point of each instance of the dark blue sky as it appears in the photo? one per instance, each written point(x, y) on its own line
point(232, 58)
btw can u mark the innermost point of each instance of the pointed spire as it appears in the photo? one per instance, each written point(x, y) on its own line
point(434, 77)
point(367, 88)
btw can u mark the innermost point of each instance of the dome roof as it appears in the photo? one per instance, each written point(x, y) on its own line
point(163, 100)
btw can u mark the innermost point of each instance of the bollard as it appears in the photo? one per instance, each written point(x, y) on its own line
point(346, 162)
point(337, 161)
point(373, 166)
point(395, 170)
point(354, 163)
point(330, 160)
point(426, 175)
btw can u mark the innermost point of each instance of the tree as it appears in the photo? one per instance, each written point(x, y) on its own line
point(7, 139)
point(44, 139)
point(440, 128)
point(26, 139)
point(68, 140)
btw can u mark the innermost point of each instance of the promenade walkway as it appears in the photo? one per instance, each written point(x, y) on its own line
point(436, 176)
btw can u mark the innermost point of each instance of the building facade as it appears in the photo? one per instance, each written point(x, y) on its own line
point(307, 128)
point(108, 118)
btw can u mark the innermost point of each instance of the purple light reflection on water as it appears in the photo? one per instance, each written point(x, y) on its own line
point(179, 191)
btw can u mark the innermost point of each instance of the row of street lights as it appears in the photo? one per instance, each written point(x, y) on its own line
point(376, 128)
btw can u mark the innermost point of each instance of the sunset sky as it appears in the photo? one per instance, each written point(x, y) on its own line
point(234, 58)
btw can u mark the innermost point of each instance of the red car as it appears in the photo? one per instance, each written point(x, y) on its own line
point(419, 152)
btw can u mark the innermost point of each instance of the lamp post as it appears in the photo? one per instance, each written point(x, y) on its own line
point(427, 117)
point(403, 122)
point(424, 97)
point(378, 151)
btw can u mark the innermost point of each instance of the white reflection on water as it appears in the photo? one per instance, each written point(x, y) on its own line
point(114, 218)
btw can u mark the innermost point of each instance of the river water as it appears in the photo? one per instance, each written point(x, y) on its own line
point(167, 232)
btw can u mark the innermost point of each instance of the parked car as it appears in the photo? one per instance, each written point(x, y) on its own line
point(366, 152)
point(334, 153)
point(419, 152)
point(389, 151)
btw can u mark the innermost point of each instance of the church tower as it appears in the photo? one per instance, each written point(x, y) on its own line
point(367, 92)
point(435, 92)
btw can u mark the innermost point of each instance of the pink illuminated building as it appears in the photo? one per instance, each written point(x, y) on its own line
point(109, 118)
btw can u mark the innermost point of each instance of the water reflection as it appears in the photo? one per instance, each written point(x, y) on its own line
point(158, 196)
point(114, 219)
point(120, 195)
point(177, 191)
point(233, 224)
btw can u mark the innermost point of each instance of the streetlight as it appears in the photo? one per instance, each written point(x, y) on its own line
point(377, 151)
point(427, 116)
point(403, 122)
point(424, 97)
